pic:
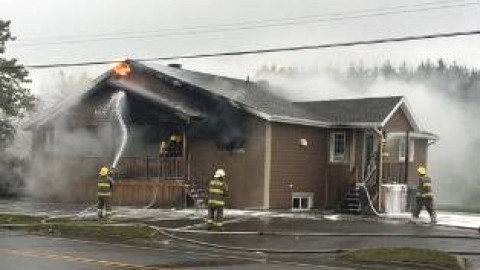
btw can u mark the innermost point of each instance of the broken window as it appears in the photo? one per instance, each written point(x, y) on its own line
point(338, 147)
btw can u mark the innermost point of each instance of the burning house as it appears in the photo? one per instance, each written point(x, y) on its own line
point(182, 125)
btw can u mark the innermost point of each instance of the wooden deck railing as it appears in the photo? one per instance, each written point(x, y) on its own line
point(394, 172)
point(141, 167)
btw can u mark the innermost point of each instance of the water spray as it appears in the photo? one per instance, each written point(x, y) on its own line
point(118, 97)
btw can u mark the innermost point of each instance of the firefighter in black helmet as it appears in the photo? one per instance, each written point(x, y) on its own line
point(217, 192)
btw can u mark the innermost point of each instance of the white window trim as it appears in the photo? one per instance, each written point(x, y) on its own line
point(332, 147)
point(303, 195)
point(401, 149)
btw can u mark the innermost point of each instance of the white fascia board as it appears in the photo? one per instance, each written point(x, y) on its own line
point(357, 125)
point(284, 119)
point(407, 110)
point(298, 121)
point(415, 135)
point(392, 112)
point(256, 112)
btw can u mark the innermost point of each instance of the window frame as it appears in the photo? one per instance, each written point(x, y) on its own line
point(302, 197)
point(334, 157)
point(401, 149)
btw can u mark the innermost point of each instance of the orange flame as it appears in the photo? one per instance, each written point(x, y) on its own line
point(121, 69)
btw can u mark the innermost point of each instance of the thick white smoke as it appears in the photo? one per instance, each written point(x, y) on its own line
point(453, 161)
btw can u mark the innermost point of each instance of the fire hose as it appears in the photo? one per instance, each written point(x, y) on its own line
point(169, 233)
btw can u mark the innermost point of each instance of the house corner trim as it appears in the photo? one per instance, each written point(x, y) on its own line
point(267, 165)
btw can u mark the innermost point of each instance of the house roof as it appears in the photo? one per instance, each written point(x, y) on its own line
point(256, 98)
point(177, 106)
point(44, 116)
point(353, 111)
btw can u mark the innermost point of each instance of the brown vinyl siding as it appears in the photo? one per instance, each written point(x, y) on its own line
point(420, 159)
point(340, 175)
point(245, 171)
point(394, 168)
point(303, 167)
point(398, 122)
point(359, 145)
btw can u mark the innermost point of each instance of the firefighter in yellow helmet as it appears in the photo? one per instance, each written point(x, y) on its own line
point(424, 195)
point(104, 192)
point(217, 192)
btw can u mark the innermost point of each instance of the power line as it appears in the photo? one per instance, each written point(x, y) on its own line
point(327, 14)
point(259, 24)
point(271, 50)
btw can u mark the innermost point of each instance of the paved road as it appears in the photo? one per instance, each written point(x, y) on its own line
point(19, 251)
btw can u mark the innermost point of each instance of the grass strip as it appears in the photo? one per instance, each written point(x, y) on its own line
point(426, 257)
point(91, 230)
point(19, 219)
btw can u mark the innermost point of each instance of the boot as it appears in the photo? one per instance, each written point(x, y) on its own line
point(433, 219)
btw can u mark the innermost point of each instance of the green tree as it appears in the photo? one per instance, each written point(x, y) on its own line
point(15, 98)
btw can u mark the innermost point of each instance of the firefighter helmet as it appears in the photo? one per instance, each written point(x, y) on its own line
point(103, 171)
point(219, 173)
point(421, 170)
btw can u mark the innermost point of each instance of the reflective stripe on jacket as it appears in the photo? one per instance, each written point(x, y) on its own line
point(217, 191)
point(424, 188)
point(104, 186)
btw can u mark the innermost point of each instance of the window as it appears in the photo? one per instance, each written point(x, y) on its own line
point(338, 146)
point(302, 200)
point(402, 150)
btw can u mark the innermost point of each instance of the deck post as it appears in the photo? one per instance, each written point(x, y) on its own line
point(407, 155)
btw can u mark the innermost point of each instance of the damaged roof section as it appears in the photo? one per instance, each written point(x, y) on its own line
point(179, 106)
point(149, 80)
point(256, 98)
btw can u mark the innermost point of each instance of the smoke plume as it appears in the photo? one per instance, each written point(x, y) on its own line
point(453, 160)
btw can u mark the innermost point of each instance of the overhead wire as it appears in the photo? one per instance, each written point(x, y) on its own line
point(259, 24)
point(263, 51)
point(43, 37)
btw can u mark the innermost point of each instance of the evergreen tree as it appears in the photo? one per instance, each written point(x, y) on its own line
point(15, 98)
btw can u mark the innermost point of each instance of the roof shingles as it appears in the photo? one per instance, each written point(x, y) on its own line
point(347, 111)
point(261, 99)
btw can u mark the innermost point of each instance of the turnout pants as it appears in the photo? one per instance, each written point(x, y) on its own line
point(215, 216)
point(428, 203)
point(103, 206)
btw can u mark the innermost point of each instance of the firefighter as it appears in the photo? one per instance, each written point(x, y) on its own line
point(174, 146)
point(424, 195)
point(104, 192)
point(217, 192)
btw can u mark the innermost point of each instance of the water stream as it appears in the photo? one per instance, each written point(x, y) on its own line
point(118, 98)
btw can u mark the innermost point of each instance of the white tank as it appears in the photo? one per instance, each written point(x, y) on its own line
point(394, 198)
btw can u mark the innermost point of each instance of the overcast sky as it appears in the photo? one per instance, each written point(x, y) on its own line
point(165, 28)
